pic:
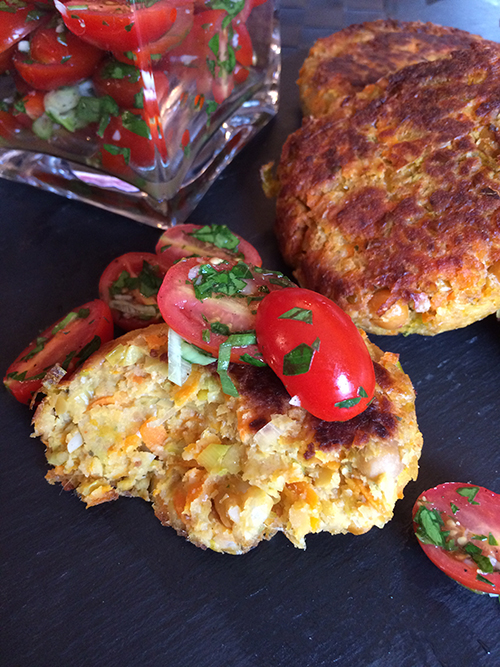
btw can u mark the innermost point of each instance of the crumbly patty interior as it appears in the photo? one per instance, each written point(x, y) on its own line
point(344, 63)
point(396, 205)
point(227, 472)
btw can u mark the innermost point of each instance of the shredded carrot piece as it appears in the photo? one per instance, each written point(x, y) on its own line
point(306, 492)
point(360, 488)
point(153, 434)
point(104, 400)
point(188, 388)
point(132, 441)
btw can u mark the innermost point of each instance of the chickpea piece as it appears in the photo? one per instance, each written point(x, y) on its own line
point(394, 317)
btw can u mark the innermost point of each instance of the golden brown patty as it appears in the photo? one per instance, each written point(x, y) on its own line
point(227, 472)
point(394, 211)
point(347, 61)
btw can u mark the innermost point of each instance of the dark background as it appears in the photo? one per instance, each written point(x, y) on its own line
point(110, 586)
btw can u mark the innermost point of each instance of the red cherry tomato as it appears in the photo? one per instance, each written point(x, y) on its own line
point(189, 240)
point(318, 353)
point(56, 61)
point(129, 87)
point(8, 125)
point(67, 342)
point(6, 59)
point(211, 51)
point(118, 26)
point(458, 527)
point(131, 139)
point(29, 107)
point(206, 300)
point(17, 21)
point(129, 285)
point(152, 54)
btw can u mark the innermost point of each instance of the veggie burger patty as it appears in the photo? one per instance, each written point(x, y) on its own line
point(393, 208)
point(345, 62)
point(225, 471)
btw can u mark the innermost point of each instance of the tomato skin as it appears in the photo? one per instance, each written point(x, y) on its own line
point(72, 338)
point(132, 263)
point(115, 26)
point(177, 243)
point(190, 317)
point(51, 65)
point(134, 148)
point(125, 84)
point(17, 24)
point(339, 367)
point(468, 519)
point(153, 53)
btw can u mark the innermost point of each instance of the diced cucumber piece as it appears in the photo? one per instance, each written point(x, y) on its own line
point(43, 127)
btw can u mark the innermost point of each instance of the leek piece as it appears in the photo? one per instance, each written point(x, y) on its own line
point(211, 458)
point(178, 368)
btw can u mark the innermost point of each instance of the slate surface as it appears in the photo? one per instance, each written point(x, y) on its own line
point(110, 586)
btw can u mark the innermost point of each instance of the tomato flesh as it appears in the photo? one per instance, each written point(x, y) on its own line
point(458, 527)
point(67, 342)
point(115, 26)
point(129, 285)
point(17, 22)
point(51, 64)
point(317, 352)
point(229, 308)
point(205, 241)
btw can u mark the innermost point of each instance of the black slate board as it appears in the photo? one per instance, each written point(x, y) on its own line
point(110, 586)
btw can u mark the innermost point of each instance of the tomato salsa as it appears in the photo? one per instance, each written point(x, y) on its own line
point(120, 84)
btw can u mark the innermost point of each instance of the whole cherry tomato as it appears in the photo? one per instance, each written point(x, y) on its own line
point(318, 353)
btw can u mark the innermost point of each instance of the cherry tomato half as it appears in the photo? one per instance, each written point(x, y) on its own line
point(18, 20)
point(130, 284)
point(458, 527)
point(56, 61)
point(189, 240)
point(207, 300)
point(68, 342)
point(118, 26)
point(151, 54)
point(131, 138)
point(318, 353)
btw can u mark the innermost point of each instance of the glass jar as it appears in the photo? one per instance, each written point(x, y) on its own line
point(133, 105)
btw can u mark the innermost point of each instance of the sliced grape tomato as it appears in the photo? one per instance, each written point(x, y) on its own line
point(458, 527)
point(68, 342)
point(118, 26)
point(208, 301)
point(130, 284)
point(318, 353)
point(205, 241)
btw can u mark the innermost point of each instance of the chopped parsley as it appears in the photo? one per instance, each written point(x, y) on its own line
point(228, 282)
point(469, 492)
point(148, 282)
point(298, 361)
point(299, 314)
point(217, 235)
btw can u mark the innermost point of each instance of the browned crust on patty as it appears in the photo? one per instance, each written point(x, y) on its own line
point(402, 194)
point(344, 63)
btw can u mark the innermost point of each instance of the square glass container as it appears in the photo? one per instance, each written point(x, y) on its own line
point(134, 105)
